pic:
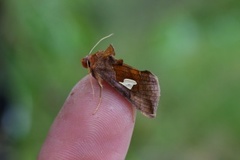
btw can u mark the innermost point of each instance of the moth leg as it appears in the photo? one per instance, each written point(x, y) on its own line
point(133, 110)
point(100, 96)
point(89, 72)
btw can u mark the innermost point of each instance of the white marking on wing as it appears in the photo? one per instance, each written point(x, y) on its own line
point(129, 83)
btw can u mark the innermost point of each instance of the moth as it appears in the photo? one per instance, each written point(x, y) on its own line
point(140, 88)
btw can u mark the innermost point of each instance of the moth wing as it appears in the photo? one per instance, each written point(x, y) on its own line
point(144, 95)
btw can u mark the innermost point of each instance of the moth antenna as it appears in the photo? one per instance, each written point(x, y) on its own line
point(99, 42)
point(88, 64)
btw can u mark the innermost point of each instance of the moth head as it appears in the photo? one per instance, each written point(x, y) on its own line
point(86, 62)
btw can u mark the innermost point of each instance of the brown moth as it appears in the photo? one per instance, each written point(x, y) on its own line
point(140, 88)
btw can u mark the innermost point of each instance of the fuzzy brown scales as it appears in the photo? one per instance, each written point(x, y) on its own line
point(144, 95)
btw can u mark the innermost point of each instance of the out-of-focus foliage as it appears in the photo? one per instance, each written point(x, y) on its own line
point(192, 46)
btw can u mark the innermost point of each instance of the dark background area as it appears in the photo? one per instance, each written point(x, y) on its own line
point(193, 46)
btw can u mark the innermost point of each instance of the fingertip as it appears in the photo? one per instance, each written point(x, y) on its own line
point(77, 132)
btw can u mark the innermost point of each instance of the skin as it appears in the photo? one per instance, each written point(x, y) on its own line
point(78, 134)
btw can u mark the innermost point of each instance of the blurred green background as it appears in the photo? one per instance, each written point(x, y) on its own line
point(193, 46)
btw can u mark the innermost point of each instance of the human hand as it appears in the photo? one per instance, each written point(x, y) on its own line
point(78, 134)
